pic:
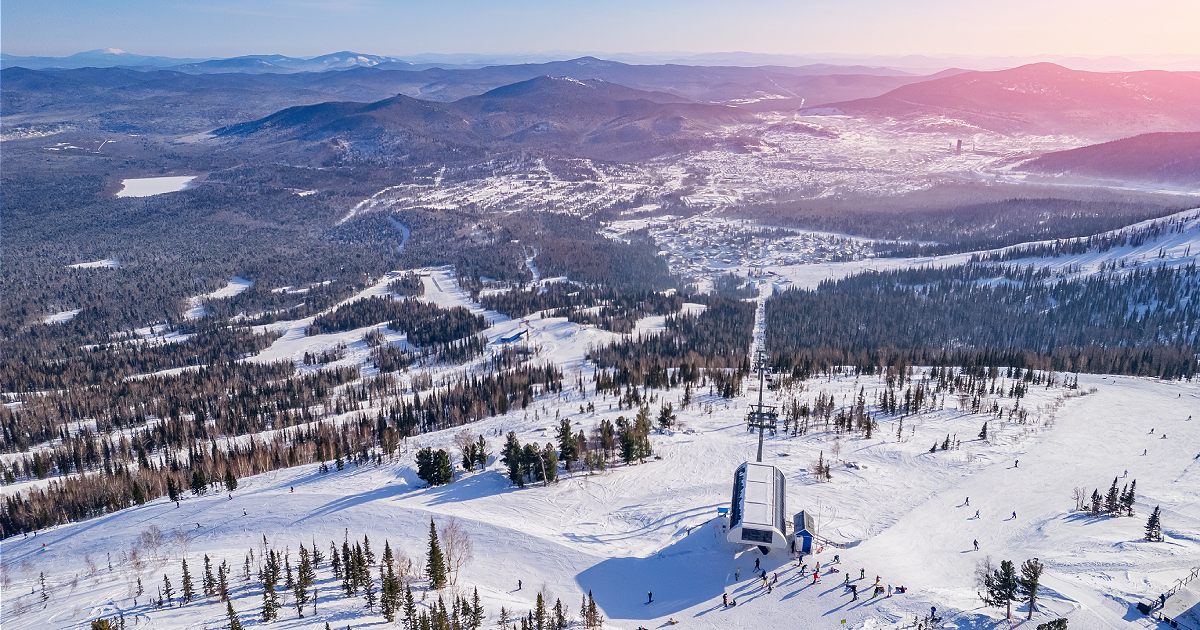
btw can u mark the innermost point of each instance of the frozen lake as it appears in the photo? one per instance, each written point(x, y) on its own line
point(147, 186)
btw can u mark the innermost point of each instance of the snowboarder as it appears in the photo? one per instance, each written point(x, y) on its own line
point(197, 525)
point(737, 575)
point(876, 580)
point(649, 596)
point(176, 505)
point(1014, 516)
point(776, 580)
point(1144, 452)
point(1126, 473)
point(231, 497)
point(977, 545)
point(862, 574)
point(725, 599)
point(889, 590)
point(847, 580)
point(293, 489)
point(854, 591)
point(968, 503)
point(518, 585)
point(815, 576)
point(1151, 431)
point(243, 511)
point(1016, 463)
point(837, 559)
point(756, 564)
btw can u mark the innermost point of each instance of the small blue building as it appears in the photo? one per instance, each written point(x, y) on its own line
point(805, 529)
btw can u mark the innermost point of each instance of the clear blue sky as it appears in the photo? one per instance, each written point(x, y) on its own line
point(223, 28)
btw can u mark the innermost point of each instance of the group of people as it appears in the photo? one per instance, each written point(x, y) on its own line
point(768, 584)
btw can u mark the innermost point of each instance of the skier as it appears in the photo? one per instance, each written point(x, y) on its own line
point(649, 596)
point(756, 564)
point(1144, 452)
point(737, 575)
point(815, 576)
point(293, 489)
point(243, 511)
point(1014, 516)
point(847, 581)
point(776, 580)
point(1126, 473)
point(1016, 463)
point(976, 545)
point(862, 574)
point(837, 559)
point(854, 591)
point(968, 503)
point(518, 585)
point(725, 599)
point(889, 590)
point(977, 514)
point(876, 580)
point(1151, 431)
point(176, 505)
point(231, 497)
point(933, 612)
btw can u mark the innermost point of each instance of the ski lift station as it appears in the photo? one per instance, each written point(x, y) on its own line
point(758, 514)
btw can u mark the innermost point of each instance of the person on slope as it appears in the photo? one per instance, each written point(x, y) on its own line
point(649, 596)
point(976, 545)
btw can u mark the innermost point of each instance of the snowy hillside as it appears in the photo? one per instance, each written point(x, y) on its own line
point(654, 526)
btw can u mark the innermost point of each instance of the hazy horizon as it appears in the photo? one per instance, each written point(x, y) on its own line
point(222, 28)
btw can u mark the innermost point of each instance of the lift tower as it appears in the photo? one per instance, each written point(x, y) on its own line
point(761, 417)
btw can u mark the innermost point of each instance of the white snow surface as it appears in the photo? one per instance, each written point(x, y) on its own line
point(61, 317)
point(650, 527)
point(107, 263)
point(234, 287)
point(150, 186)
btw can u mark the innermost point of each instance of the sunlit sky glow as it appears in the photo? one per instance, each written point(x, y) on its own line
point(223, 28)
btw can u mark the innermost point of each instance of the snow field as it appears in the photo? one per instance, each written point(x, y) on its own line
point(650, 526)
point(149, 186)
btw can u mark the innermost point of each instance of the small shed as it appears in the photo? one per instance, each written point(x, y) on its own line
point(806, 528)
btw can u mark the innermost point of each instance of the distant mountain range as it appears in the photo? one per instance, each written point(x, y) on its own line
point(837, 63)
point(1172, 158)
point(590, 118)
point(1044, 98)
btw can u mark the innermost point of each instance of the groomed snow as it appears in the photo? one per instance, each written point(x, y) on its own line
point(150, 186)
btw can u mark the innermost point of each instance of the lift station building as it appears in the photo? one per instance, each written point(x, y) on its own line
point(758, 513)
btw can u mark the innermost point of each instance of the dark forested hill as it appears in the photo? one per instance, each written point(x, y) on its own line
point(1153, 157)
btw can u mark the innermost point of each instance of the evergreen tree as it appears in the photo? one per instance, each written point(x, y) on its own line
point(983, 432)
point(946, 444)
point(369, 589)
point(167, 590)
point(188, 591)
point(481, 453)
point(335, 560)
point(435, 568)
point(388, 593)
point(1154, 527)
point(568, 450)
point(1097, 502)
point(234, 624)
point(1112, 499)
point(443, 470)
point(172, 489)
point(210, 584)
point(1130, 498)
point(1001, 587)
point(410, 610)
point(476, 611)
point(666, 416)
point(270, 607)
point(223, 581)
point(550, 463)
point(1031, 573)
point(230, 480)
point(539, 613)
